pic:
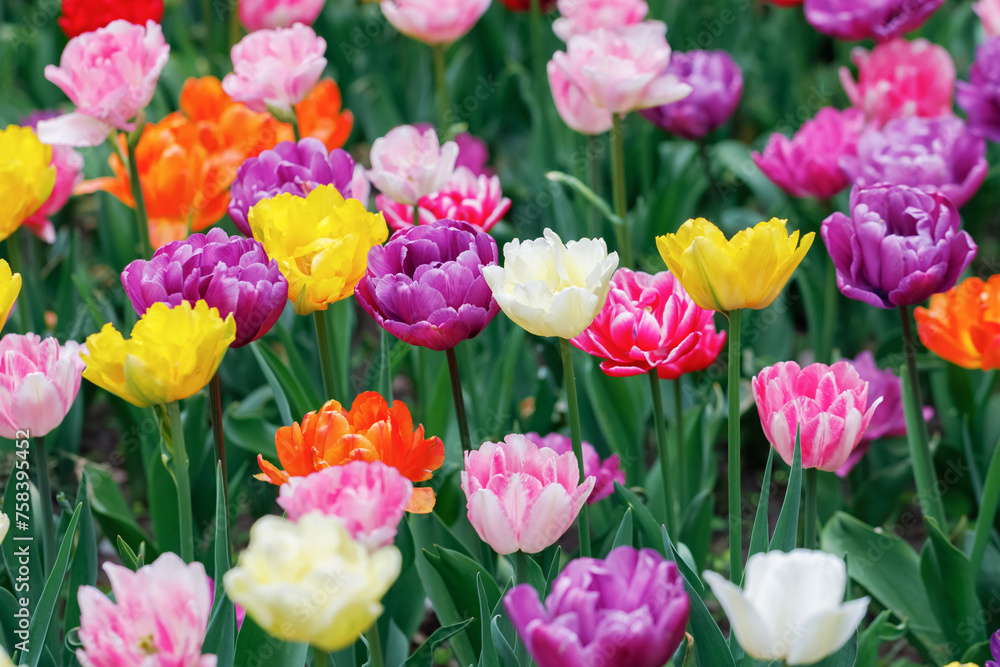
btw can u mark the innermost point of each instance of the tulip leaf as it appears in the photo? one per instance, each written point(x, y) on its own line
point(265, 358)
point(83, 569)
point(460, 572)
point(870, 638)
point(577, 185)
point(423, 656)
point(696, 529)
point(787, 529)
point(951, 585)
point(253, 644)
point(488, 656)
point(758, 536)
point(624, 535)
point(504, 650)
point(649, 528)
point(25, 529)
point(111, 509)
point(8, 621)
point(977, 654)
point(220, 639)
point(846, 656)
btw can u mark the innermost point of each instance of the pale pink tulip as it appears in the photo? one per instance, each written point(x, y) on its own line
point(989, 14)
point(273, 70)
point(605, 473)
point(434, 21)
point(575, 110)
point(900, 78)
point(269, 14)
point(827, 405)
point(521, 496)
point(110, 75)
point(369, 498)
point(39, 380)
point(476, 200)
point(158, 618)
point(408, 164)
point(582, 16)
point(622, 70)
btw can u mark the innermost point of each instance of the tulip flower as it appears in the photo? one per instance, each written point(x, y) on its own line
point(931, 154)
point(573, 106)
point(39, 380)
point(525, 5)
point(68, 164)
point(80, 16)
point(989, 14)
point(269, 14)
point(994, 650)
point(628, 610)
point(434, 21)
point(466, 197)
point(579, 17)
point(309, 581)
point(369, 431)
point(979, 97)
point(868, 19)
point(26, 176)
point(369, 499)
point(159, 616)
point(10, 286)
point(962, 325)
point(792, 607)
point(408, 164)
point(320, 115)
point(605, 473)
point(110, 75)
point(521, 496)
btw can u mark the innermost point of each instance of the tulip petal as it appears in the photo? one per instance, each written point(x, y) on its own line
point(751, 629)
point(824, 634)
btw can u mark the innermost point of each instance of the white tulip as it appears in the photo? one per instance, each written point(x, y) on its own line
point(5, 660)
point(4, 525)
point(792, 608)
point(550, 288)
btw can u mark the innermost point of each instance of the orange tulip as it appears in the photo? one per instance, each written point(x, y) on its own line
point(962, 325)
point(369, 431)
point(320, 116)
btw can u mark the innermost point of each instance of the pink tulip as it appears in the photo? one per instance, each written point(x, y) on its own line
point(434, 21)
point(39, 380)
point(989, 14)
point(466, 197)
point(649, 322)
point(827, 405)
point(576, 111)
point(158, 618)
point(269, 14)
point(521, 496)
point(605, 473)
point(273, 70)
point(110, 75)
point(582, 16)
point(622, 70)
point(369, 498)
point(69, 172)
point(900, 78)
point(408, 164)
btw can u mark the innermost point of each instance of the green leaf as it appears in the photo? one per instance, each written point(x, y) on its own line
point(129, 559)
point(577, 185)
point(20, 535)
point(8, 620)
point(624, 535)
point(951, 585)
point(460, 572)
point(787, 529)
point(112, 510)
point(870, 639)
point(422, 656)
point(488, 656)
point(83, 569)
point(253, 643)
point(649, 528)
point(846, 656)
point(220, 639)
point(504, 650)
point(265, 358)
point(758, 536)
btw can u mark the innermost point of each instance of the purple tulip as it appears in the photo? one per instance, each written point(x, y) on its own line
point(717, 84)
point(288, 167)
point(899, 246)
point(994, 650)
point(426, 287)
point(980, 96)
point(233, 274)
point(628, 610)
point(606, 472)
point(868, 19)
point(933, 154)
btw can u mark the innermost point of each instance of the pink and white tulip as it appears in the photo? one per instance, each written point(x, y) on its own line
point(369, 498)
point(110, 75)
point(622, 70)
point(476, 200)
point(989, 14)
point(522, 496)
point(39, 380)
point(158, 618)
point(273, 70)
point(434, 21)
point(826, 405)
point(408, 164)
point(578, 17)
point(605, 473)
point(270, 14)
point(573, 107)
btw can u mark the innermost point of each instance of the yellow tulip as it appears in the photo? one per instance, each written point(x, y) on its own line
point(10, 286)
point(172, 354)
point(26, 176)
point(965, 664)
point(748, 271)
point(320, 242)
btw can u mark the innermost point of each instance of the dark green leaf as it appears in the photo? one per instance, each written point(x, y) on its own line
point(423, 655)
point(787, 529)
point(758, 536)
point(83, 570)
point(624, 535)
point(220, 639)
point(255, 647)
point(649, 528)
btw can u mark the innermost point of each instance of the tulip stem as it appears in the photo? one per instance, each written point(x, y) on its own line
point(294, 122)
point(811, 517)
point(920, 449)
point(16, 266)
point(374, 646)
point(320, 658)
point(594, 181)
point(215, 391)
point(824, 353)
point(681, 444)
point(669, 504)
point(440, 78)
point(735, 518)
point(385, 367)
point(235, 30)
point(145, 248)
point(325, 355)
point(173, 432)
point(456, 394)
point(618, 186)
point(45, 492)
point(521, 577)
point(573, 407)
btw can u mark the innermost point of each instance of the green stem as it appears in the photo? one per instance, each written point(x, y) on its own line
point(824, 352)
point(706, 161)
point(385, 367)
point(456, 395)
point(594, 181)
point(296, 131)
point(521, 577)
point(215, 391)
point(235, 30)
point(45, 492)
point(669, 491)
point(811, 518)
point(325, 355)
point(735, 517)
point(374, 646)
point(920, 449)
point(17, 266)
point(416, 214)
point(441, 81)
point(145, 248)
point(573, 405)
point(987, 511)
point(320, 658)
point(618, 186)
point(681, 462)
point(179, 462)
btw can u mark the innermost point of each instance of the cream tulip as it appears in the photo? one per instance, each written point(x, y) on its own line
point(4, 526)
point(550, 288)
point(792, 608)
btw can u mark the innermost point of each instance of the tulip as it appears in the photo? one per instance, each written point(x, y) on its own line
point(573, 106)
point(980, 96)
point(900, 78)
point(466, 197)
point(80, 16)
point(792, 607)
point(989, 14)
point(69, 172)
point(308, 581)
point(520, 496)
point(273, 70)
point(994, 650)
point(808, 164)
point(39, 380)
point(605, 473)
point(320, 242)
point(320, 115)
point(10, 286)
point(472, 154)
point(899, 246)
point(525, 5)
point(869, 19)
point(26, 176)
point(110, 75)
point(4, 526)
point(714, 270)
point(579, 17)
point(369, 499)
point(171, 355)
point(408, 164)
point(962, 325)
point(158, 618)
point(932, 154)
point(269, 14)
point(628, 610)
point(434, 21)
point(231, 274)
point(827, 406)
point(716, 87)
